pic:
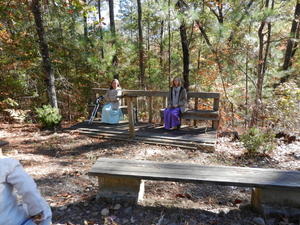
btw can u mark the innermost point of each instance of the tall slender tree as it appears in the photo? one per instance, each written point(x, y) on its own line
point(141, 45)
point(113, 34)
point(263, 52)
point(292, 43)
point(44, 50)
point(100, 28)
point(169, 40)
point(186, 55)
point(161, 47)
point(181, 5)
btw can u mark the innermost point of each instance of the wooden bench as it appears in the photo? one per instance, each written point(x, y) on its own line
point(196, 114)
point(123, 179)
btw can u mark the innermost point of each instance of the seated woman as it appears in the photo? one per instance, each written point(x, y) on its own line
point(111, 113)
point(33, 210)
point(177, 100)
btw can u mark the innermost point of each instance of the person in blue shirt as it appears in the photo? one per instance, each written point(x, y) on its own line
point(111, 112)
point(33, 208)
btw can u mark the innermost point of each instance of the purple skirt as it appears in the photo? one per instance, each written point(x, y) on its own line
point(172, 117)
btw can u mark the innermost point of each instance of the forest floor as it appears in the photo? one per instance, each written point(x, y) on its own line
point(59, 162)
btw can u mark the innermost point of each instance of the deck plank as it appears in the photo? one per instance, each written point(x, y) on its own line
point(146, 132)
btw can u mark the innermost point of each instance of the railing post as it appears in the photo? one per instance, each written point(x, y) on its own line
point(216, 104)
point(215, 123)
point(150, 99)
point(130, 117)
point(196, 108)
point(164, 102)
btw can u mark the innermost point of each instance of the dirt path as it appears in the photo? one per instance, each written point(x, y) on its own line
point(59, 163)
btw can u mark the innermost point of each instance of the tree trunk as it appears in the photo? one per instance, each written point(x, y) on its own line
point(186, 55)
point(292, 44)
point(148, 48)
point(100, 28)
point(182, 6)
point(113, 33)
point(49, 78)
point(141, 47)
point(112, 18)
point(161, 47)
point(169, 42)
point(262, 66)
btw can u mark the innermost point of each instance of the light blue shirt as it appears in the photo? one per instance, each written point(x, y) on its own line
point(13, 176)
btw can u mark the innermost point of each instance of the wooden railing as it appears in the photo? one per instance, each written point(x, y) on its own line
point(131, 95)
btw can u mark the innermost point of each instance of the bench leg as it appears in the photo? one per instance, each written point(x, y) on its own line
point(215, 124)
point(267, 201)
point(162, 119)
point(121, 188)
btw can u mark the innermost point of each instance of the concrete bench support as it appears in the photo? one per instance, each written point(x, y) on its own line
point(118, 187)
point(274, 197)
point(2, 144)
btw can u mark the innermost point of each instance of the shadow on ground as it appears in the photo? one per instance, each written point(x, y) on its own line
point(56, 150)
point(128, 213)
point(75, 201)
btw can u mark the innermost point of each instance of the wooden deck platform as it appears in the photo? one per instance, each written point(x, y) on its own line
point(186, 137)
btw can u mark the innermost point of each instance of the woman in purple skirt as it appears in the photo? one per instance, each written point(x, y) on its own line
point(177, 100)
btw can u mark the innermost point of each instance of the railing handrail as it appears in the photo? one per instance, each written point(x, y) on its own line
point(140, 93)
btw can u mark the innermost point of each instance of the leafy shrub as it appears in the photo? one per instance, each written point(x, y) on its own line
point(48, 116)
point(258, 141)
point(10, 103)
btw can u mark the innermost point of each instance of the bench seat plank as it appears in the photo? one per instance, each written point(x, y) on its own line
point(232, 176)
point(197, 114)
point(201, 115)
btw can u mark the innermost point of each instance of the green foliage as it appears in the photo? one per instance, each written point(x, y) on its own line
point(11, 103)
point(79, 66)
point(283, 108)
point(48, 116)
point(258, 141)
point(10, 109)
